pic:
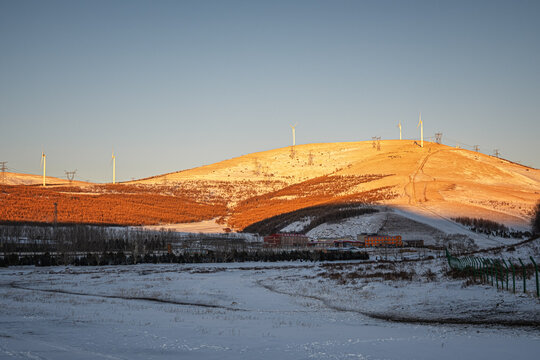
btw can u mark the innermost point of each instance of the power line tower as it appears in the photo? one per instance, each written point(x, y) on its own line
point(438, 138)
point(3, 168)
point(378, 143)
point(476, 148)
point(70, 175)
point(310, 158)
point(374, 143)
point(496, 153)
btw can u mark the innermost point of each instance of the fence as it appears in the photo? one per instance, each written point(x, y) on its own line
point(494, 271)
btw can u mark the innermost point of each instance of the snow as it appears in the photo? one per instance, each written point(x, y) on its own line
point(205, 226)
point(251, 310)
point(370, 223)
point(447, 226)
point(298, 226)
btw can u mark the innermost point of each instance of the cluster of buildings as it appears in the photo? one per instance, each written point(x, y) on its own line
point(281, 240)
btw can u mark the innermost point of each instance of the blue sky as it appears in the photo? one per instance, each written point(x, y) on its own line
point(178, 84)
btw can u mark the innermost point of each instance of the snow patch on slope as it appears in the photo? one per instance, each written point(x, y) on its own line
point(370, 223)
point(298, 226)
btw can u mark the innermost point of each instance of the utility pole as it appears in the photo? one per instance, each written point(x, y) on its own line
point(438, 138)
point(476, 148)
point(3, 168)
point(70, 175)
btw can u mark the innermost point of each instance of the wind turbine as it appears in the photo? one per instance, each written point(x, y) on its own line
point(399, 126)
point(293, 134)
point(421, 124)
point(113, 159)
point(44, 164)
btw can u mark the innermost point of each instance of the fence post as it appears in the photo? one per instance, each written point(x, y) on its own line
point(492, 270)
point(536, 273)
point(486, 270)
point(500, 273)
point(475, 266)
point(524, 276)
point(496, 264)
point(513, 276)
point(506, 273)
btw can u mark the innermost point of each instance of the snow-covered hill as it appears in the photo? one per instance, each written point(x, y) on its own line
point(443, 180)
point(436, 182)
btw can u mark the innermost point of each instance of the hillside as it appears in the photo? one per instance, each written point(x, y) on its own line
point(11, 178)
point(436, 181)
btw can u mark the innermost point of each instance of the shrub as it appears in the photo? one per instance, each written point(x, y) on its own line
point(535, 222)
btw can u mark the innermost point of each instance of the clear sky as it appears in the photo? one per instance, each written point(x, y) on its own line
point(178, 84)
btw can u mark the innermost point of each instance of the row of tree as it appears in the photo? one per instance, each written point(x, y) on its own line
point(121, 258)
point(315, 215)
point(490, 227)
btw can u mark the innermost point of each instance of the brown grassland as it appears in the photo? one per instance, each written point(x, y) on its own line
point(105, 204)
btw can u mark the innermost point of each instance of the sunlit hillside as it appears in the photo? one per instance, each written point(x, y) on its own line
point(436, 180)
point(10, 178)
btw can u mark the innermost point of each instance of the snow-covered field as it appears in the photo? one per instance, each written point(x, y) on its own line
point(411, 223)
point(254, 311)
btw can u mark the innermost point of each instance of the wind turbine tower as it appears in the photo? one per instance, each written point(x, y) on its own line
point(294, 134)
point(421, 124)
point(113, 158)
point(44, 164)
point(399, 126)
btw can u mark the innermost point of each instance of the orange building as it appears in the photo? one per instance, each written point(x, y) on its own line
point(381, 240)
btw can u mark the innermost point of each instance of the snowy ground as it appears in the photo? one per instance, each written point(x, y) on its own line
point(425, 216)
point(206, 226)
point(370, 223)
point(412, 223)
point(252, 311)
point(298, 226)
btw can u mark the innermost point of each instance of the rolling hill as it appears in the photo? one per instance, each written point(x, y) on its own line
point(435, 181)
